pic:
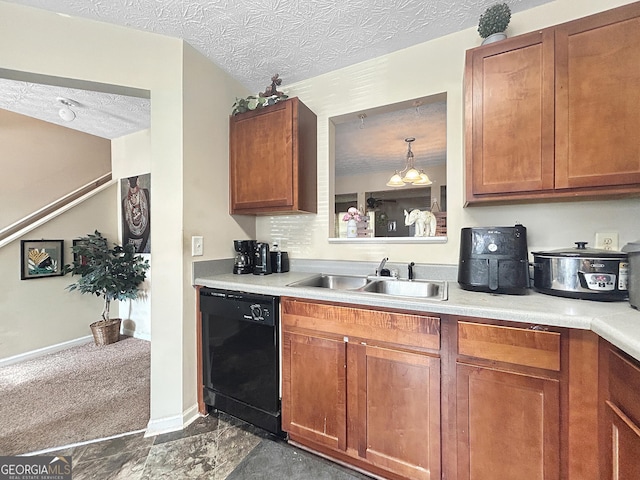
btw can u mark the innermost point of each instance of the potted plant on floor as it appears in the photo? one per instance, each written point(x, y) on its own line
point(111, 273)
point(493, 22)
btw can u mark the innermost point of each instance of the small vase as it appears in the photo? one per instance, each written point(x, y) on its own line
point(352, 229)
point(495, 37)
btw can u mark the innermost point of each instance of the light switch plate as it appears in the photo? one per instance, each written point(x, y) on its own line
point(197, 247)
point(607, 240)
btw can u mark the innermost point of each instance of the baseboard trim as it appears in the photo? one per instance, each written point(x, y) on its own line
point(173, 423)
point(79, 444)
point(191, 414)
point(22, 357)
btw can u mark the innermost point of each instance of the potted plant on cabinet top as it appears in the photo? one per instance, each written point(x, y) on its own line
point(111, 273)
point(493, 22)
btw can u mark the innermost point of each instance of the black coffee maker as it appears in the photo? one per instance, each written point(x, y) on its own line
point(262, 259)
point(243, 262)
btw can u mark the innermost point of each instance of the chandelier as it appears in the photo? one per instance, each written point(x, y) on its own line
point(409, 174)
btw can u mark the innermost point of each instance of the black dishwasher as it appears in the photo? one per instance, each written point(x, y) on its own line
point(240, 362)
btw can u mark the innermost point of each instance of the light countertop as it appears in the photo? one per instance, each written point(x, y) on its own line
point(616, 322)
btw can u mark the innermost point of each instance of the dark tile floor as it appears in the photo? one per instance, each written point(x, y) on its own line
point(215, 447)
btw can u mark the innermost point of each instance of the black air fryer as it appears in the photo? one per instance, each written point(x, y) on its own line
point(494, 259)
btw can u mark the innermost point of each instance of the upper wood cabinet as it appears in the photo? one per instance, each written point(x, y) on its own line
point(598, 100)
point(555, 113)
point(272, 160)
point(509, 114)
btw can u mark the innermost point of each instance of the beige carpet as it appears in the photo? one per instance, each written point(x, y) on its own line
point(79, 394)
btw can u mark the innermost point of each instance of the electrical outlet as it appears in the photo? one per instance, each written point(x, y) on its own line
point(607, 240)
point(197, 246)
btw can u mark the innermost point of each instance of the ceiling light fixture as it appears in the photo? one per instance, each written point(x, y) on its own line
point(409, 174)
point(65, 112)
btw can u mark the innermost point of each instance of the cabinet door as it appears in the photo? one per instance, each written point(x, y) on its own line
point(509, 101)
point(598, 106)
point(398, 401)
point(623, 450)
point(314, 389)
point(508, 425)
point(261, 149)
point(620, 388)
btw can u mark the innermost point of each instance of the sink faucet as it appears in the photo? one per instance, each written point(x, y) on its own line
point(410, 268)
point(381, 266)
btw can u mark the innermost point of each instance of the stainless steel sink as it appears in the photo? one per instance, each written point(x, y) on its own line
point(429, 289)
point(334, 282)
point(409, 288)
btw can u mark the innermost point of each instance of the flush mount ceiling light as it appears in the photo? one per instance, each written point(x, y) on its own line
point(409, 174)
point(65, 112)
point(362, 116)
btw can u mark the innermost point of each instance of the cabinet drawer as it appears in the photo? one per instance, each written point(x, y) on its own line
point(421, 331)
point(531, 348)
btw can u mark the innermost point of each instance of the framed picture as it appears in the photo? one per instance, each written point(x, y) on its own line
point(136, 208)
point(41, 258)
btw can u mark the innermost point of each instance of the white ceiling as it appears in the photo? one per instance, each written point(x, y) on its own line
point(251, 40)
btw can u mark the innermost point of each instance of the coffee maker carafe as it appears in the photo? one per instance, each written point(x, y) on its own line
point(243, 262)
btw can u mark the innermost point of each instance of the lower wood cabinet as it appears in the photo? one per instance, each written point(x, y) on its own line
point(314, 389)
point(413, 396)
point(396, 410)
point(508, 402)
point(623, 446)
point(525, 401)
point(620, 414)
point(508, 424)
point(363, 386)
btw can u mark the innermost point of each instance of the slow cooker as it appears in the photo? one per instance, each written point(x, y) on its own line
point(581, 272)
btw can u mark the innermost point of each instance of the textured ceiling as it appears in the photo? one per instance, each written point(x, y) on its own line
point(377, 142)
point(253, 39)
point(102, 114)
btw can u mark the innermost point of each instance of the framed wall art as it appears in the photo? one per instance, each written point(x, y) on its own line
point(41, 258)
point(136, 208)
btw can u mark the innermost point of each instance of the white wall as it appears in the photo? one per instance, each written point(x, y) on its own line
point(436, 67)
point(207, 90)
point(131, 155)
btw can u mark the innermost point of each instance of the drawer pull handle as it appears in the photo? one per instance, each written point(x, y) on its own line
point(540, 328)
